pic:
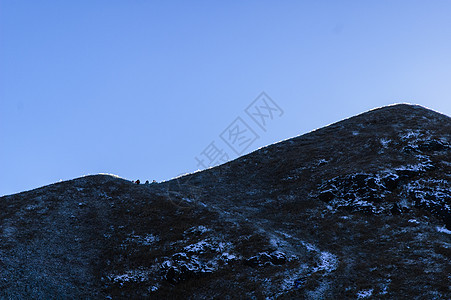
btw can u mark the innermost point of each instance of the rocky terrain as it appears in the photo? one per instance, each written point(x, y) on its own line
point(359, 209)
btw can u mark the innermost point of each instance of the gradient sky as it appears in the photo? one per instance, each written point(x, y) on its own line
point(140, 88)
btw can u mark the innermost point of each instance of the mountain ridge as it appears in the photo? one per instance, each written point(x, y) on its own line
point(359, 207)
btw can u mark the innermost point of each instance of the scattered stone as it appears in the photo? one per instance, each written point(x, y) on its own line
point(265, 259)
point(432, 145)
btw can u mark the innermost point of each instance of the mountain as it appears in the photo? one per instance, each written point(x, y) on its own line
point(357, 209)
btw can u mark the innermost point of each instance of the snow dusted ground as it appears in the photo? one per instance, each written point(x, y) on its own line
point(443, 229)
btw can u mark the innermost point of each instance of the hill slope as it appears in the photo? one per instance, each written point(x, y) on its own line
point(360, 208)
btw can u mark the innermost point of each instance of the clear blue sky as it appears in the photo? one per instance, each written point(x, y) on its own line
point(140, 88)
